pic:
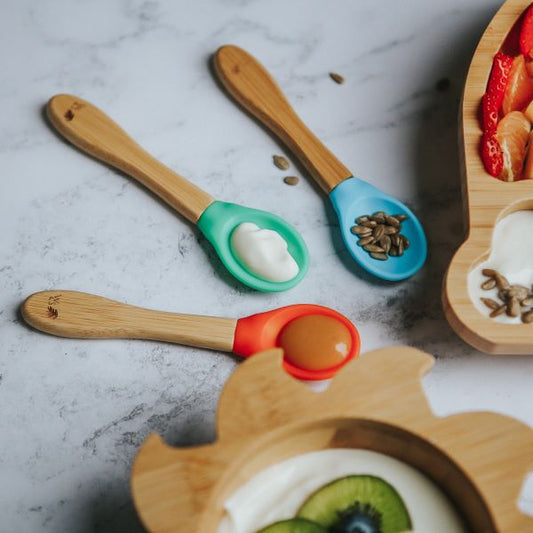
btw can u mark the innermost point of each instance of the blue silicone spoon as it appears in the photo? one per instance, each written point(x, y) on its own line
point(253, 87)
point(91, 130)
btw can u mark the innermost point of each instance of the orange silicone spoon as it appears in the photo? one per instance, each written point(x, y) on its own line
point(82, 315)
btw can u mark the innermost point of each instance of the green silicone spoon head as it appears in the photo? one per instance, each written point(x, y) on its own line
point(218, 222)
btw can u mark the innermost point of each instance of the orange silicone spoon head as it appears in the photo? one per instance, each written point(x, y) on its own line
point(263, 331)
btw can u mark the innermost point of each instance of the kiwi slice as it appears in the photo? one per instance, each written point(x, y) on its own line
point(357, 504)
point(296, 525)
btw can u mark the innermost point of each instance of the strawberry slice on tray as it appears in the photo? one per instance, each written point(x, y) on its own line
point(491, 154)
point(499, 78)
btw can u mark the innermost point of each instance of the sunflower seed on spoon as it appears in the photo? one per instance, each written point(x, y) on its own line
point(366, 240)
point(373, 248)
point(378, 232)
point(385, 243)
point(361, 230)
point(392, 221)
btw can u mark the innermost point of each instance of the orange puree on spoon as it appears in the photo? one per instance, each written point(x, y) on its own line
point(315, 342)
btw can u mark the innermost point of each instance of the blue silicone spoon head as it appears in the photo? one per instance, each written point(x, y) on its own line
point(353, 198)
point(218, 222)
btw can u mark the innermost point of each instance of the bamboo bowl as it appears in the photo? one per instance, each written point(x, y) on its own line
point(486, 200)
point(376, 403)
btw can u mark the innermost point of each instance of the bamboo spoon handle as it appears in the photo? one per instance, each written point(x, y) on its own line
point(81, 315)
point(91, 130)
point(253, 87)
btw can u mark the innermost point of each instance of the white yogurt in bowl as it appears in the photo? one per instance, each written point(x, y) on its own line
point(263, 252)
point(277, 492)
point(511, 255)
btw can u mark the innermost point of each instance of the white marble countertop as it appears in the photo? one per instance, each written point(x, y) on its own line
point(73, 413)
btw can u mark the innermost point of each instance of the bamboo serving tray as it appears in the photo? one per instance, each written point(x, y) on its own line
point(376, 403)
point(486, 201)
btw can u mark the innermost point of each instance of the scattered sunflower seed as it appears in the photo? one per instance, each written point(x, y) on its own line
point(280, 162)
point(337, 78)
point(291, 180)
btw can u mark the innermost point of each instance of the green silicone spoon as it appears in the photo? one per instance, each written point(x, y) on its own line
point(91, 130)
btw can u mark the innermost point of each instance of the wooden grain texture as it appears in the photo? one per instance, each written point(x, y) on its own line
point(376, 402)
point(92, 131)
point(81, 315)
point(486, 200)
point(254, 89)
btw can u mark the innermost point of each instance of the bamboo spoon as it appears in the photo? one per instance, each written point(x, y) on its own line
point(81, 315)
point(486, 201)
point(253, 88)
point(92, 131)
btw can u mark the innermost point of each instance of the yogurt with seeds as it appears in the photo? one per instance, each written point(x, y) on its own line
point(512, 256)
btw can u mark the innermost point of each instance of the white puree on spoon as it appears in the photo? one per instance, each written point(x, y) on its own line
point(277, 492)
point(511, 255)
point(264, 252)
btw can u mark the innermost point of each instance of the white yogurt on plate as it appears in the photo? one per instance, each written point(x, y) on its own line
point(277, 492)
point(511, 255)
point(264, 252)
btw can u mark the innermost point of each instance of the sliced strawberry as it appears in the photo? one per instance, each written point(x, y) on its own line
point(499, 77)
point(526, 33)
point(489, 113)
point(491, 153)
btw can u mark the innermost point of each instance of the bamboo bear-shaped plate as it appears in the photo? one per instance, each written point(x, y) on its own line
point(486, 200)
point(376, 403)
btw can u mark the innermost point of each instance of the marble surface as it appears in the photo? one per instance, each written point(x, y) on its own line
point(73, 413)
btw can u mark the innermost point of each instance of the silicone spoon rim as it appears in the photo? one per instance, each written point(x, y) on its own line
point(95, 133)
point(252, 86)
point(75, 314)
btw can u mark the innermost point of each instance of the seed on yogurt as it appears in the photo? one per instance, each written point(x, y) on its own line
point(513, 300)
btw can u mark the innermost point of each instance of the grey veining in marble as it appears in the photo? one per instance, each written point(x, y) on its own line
point(73, 413)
